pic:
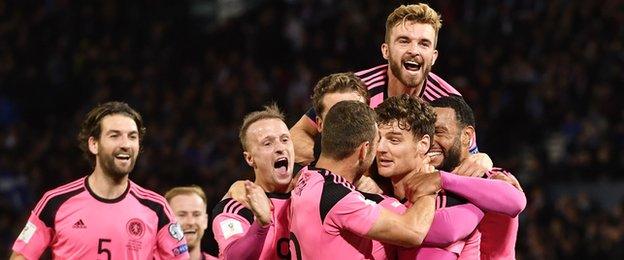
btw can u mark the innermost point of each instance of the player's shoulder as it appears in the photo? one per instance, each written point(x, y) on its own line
point(438, 84)
point(335, 189)
point(53, 199)
point(141, 193)
point(230, 206)
point(373, 77)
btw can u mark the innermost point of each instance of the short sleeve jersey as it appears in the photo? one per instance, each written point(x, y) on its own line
point(232, 221)
point(330, 218)
point(77, 224)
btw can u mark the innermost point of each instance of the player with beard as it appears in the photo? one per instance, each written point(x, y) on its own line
point(259, 231)
point(330, 219)
point(410, 49)
point(406, 125)
point(189, 205)
point(454, 127)
point(104, 215)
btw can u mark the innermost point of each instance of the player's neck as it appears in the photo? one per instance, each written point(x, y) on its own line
point(106, 187)
point(398, 187)
point(195, 253)
point(396, 87)
point(347, 168)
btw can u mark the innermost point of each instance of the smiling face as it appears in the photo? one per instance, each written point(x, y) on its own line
point(398, 152)
point(270, 152)
point(446, 150)
point(117, 148)
point(190, 211)
point(410, 51)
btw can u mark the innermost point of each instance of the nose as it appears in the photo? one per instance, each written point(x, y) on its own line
point(413, 49)
point(382, 147)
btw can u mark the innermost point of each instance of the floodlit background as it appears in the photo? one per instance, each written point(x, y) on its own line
point(545, 79)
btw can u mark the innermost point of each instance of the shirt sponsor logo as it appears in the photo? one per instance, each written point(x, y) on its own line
point(27, 232)
point(135, 228)
point(181, 249)
point(79, 224)
point(230, 227)
point(176, 231)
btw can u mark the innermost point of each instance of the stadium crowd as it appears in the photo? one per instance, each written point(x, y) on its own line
point(541, 77)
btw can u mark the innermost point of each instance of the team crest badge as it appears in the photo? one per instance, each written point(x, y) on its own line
point(135, 228)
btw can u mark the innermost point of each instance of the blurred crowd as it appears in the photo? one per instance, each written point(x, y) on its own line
point(544, 79)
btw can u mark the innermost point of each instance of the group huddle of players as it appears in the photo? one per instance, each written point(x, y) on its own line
point(384, 166)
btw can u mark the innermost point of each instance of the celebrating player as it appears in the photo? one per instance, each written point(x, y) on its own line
point(104, 215)
point(189, 206)
point(410, 49)
point(330, 219)
point(260, 231)
point(454, 126)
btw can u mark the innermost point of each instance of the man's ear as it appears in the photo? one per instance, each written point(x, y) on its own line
point(385, 51)
point(319, 124)
point(249, 159)
point(435, 57)
point(93, 145)
point(363, 150)
point(467, 136)
point(423, 145)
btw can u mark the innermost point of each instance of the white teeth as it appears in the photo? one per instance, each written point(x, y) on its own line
point(431, 154)
point(413, 63)
point(123, 156)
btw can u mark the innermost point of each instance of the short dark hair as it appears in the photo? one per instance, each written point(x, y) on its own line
point(92, 124)
point(463, 112)
point(348, 124)
point(412, 114)
point(337, 83)
point(269, 112)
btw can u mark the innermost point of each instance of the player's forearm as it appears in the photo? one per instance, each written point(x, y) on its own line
point(303, 143)
point(420, 216)
point(453, 224)
point(249, 246)
point(488, 195)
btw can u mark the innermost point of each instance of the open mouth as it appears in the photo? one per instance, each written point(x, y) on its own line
point(412, 65)
point(281, 162)
point(190, 232)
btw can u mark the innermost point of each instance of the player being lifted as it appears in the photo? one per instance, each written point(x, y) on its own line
point(104, 215)
point(410, 48)
point(260, 230)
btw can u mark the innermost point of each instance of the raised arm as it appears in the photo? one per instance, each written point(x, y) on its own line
point(302, 134)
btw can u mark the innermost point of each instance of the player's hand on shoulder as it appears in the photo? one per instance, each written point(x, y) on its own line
point(259, 203)
point(368, 185)
point(476, 165)
point(238, 193)
point(508, 179)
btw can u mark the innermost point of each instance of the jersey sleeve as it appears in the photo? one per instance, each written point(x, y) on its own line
point(231, 221)
point(34, 238)
point(354, 213)
point(452, 224)
point(171, 243)
point(488, 195)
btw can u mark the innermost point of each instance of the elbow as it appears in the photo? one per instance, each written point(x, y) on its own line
point(415, 239)
point(518, 205)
